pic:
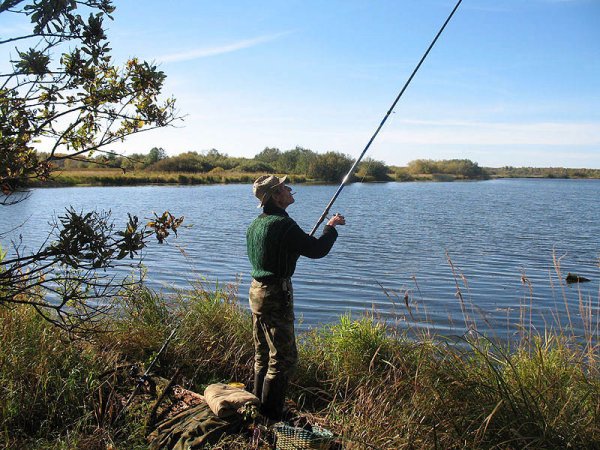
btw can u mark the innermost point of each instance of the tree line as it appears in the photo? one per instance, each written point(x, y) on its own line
point(307, 164)
point(543, 172)
point(330, 166)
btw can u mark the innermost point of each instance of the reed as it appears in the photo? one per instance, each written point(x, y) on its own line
point(44, 378)
point(376, 386)
point(116, 177)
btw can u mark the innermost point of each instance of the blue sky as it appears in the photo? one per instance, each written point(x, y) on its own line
point(510, 82)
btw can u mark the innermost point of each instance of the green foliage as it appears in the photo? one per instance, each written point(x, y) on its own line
point(330, 166)
point(155, 154)
point(372, 170)
point(215, 341)
point(401, 173)
point(303, 163)
point(33, 62)
point(296, 161)
point(269, 155)
point(65, 90)
point(45, 378)
point(216, 159)
point(142, 324)
point(463, 168)
point(476, 395)
point(542, 172)
point(350, 349)
point(185, 162)
point(537, 376)
point(255, 167)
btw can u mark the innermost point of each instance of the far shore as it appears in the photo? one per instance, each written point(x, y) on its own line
point(117, 177)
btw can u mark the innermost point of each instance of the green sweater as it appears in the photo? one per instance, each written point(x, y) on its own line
point(275, 242)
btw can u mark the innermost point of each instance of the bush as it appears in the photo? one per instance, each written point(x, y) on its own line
point(372, 170)
point(268, 155)
point(464, 168)
point(216, 159)
point(402, 174)
point(186, 162)
point(255, 166)
point(329, 167)
point(296, 161)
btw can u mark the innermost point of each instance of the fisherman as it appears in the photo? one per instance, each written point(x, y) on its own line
point(275, 242)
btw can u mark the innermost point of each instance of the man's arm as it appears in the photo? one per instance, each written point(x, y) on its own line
point(300, 242)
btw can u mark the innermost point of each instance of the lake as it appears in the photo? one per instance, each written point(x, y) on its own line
point(405, 253)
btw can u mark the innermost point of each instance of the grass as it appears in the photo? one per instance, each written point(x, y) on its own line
point(374, 386)
point(116, 177)
point(44, 378)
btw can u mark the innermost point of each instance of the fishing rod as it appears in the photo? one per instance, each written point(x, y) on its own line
point(347, 177)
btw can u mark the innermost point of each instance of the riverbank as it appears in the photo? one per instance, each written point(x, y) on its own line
point(369, 384)
point(118, 177)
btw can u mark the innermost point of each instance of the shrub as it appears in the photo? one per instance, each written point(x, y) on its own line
point(255, 166)
point(330, 167)
point(185, 162)
point(464, 168)
point(268, 155)
point(372, 170)
point(296, 161)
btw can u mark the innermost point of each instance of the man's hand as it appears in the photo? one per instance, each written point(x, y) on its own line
point(337, 219)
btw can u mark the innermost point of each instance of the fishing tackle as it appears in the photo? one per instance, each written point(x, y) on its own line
point(347, 177)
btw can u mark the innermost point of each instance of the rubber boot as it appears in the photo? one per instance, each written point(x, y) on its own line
point(259, 379)
point(273, 397)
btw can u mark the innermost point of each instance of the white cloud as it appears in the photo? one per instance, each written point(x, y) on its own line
point(451, 132)
point(205, 52)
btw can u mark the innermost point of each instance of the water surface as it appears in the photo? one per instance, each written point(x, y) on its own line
point(501, 237)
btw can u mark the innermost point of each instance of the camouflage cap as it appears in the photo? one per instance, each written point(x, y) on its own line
point(264, 186)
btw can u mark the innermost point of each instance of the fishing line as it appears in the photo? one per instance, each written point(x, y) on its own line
point(347, 177)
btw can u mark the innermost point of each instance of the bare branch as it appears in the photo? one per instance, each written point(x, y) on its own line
point(45, 35)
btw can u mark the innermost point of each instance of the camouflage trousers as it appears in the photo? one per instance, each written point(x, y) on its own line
point(272, 305)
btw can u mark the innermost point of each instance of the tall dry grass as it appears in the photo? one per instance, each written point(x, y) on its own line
point(374, 385)
point(116, 177)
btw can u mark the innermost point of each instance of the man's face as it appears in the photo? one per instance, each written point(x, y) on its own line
point(283, 196)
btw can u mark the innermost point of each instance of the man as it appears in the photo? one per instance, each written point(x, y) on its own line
point(275, 242)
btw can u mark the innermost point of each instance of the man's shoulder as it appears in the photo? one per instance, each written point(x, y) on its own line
point(271, 220)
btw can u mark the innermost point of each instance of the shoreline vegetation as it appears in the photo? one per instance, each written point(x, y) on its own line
point(302, 165)
point(375, 386)
point(373, 383)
